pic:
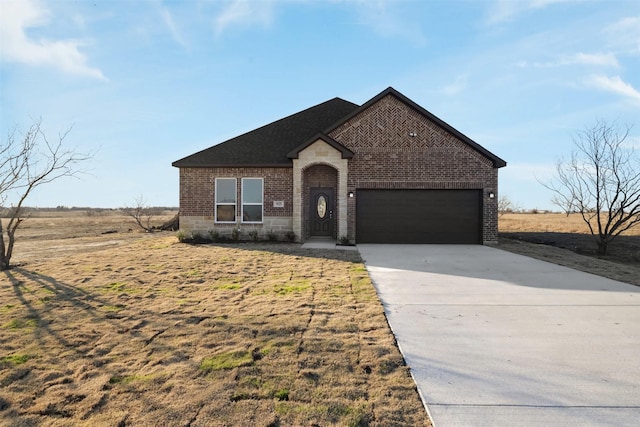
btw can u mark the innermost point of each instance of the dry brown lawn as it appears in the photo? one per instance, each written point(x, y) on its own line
point(566, 240)
point(548, 222)
point(137, 329)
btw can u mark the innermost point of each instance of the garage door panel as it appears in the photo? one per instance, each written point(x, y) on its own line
point(418, 216)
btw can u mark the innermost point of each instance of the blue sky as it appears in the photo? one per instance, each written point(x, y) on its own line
point(148, 82)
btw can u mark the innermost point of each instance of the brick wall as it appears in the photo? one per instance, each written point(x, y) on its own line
point(197, 186)
point(387, 157)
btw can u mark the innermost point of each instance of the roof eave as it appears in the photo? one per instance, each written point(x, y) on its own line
point(237, 165)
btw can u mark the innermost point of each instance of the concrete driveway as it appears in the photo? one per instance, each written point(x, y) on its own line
point(498, 339)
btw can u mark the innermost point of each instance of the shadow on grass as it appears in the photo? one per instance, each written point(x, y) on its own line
point(623, 249)
point(20, 277)
point(292, 249)
point(68, 300)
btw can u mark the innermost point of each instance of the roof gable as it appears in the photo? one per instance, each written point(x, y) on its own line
point(497, 161)
point(346, 153)
point(268, 145)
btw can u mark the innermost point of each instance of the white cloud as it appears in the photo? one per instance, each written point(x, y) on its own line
point(632, 143)
point(624, 34)
point(614, 84)
point(502, 11)
point(605, 59)
point(244, 13)
point(457, 86)
point(173, 28)
point(16, 17)
point(532, 172)
point(384, 18)
point(599, 59)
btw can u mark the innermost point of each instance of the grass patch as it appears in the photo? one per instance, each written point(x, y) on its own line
point(44, 300)
point(282, 394)
point(15, 359)
point(359, 268)
point(223, 361)
point(27, 323)
point(6, 308)
point(193, 273)
point(293, 287)
point(118, 287)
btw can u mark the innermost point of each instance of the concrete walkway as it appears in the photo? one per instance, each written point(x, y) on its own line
point(326, 244)
point(498, 339)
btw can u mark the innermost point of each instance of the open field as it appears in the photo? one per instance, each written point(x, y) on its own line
point(548, 222)
point(566, 240)
point(47, 234)
point(133, 328)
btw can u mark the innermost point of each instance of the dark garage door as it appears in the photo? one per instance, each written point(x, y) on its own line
point(419, 216)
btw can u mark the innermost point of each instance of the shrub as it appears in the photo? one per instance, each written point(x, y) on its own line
point(344, 240)
point(235, 234)
point(254, 235)
point(214, 235)
point(271, 236)
point(182, 236)
point(291, 236)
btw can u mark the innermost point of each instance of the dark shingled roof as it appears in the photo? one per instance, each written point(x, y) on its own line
point(269, 145)
point(275, 144)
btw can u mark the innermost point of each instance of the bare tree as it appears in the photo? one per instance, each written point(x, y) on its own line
point(600, 181)
point(141, 213)
point(505, 205)
point(25, 164)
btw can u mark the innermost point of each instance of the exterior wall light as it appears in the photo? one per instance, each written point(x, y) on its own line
point(492, 195)
point(350, 194)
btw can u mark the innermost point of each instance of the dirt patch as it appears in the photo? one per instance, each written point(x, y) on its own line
point(138, 329)
point(52, 234)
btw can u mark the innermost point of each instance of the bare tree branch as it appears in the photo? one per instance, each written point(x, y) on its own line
point(600, 181)
point(141, 213)
point(505, 205)
point(26, 164)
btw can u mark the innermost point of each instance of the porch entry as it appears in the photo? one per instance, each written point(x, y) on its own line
point(321, 212)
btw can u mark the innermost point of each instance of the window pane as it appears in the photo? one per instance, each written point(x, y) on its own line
point(225, 190)
point(226, 213)
point(251, 190)
point(322, 207)
point(252, 213)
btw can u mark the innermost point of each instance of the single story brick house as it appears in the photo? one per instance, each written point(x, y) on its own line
point(385, 171)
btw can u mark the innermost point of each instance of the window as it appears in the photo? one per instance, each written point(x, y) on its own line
point(252, 199)
point(225, 200)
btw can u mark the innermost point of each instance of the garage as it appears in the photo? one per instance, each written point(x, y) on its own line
point(419, 216)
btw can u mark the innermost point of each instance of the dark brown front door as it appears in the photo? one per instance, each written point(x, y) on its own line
point(321, 212)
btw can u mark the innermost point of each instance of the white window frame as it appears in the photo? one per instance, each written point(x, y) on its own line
point(235, 204)
point(242, 203)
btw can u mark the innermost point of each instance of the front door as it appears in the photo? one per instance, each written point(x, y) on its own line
point(321, 212)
